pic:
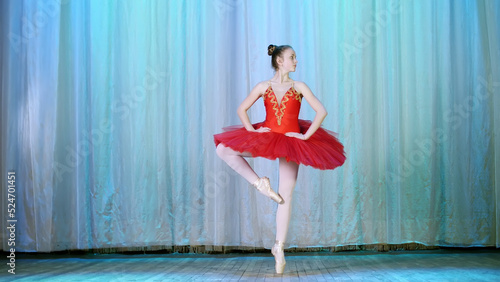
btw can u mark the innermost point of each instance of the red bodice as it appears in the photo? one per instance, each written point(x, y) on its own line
point(282, 117)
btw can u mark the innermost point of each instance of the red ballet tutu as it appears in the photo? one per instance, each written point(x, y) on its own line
point(322, 150)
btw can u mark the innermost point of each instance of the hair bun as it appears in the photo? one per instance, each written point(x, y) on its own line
point(270, 49)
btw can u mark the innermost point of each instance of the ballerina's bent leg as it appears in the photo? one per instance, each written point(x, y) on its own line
point(236, 161)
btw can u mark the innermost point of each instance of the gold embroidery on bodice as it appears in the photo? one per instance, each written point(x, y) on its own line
point(279, 109)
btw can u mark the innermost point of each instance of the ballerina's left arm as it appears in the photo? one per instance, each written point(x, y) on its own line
point(317, 107)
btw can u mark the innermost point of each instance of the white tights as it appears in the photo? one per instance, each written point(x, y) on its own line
point(287, 178)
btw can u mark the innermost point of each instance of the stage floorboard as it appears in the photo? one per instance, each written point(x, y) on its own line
point(432, 265)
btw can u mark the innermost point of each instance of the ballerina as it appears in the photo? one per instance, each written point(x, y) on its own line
point(282, 135)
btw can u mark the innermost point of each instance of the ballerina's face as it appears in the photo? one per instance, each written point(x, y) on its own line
point(289, 60)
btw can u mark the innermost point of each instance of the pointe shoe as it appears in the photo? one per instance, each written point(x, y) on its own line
point(279, 256)
point(264, 186)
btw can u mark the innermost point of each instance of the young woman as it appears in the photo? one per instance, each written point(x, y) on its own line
point(282, 135)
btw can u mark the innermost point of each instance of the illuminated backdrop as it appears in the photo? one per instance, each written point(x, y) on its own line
point(108, 110)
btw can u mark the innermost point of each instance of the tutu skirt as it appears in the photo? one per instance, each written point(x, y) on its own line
point(322, 150)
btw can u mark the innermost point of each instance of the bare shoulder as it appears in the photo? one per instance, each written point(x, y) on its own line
point(263, 84)
point(301, 87)
point(261, 87)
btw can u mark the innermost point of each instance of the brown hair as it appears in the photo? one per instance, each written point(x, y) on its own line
point(275, 52)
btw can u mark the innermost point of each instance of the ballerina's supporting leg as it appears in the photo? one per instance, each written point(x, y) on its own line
point(236, 161)
point(288, 178)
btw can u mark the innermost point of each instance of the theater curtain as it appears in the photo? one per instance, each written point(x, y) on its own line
point(108, 110)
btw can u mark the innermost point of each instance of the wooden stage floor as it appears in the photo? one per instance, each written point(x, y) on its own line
point(431, 265)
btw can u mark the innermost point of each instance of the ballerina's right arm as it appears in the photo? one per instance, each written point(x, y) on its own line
point(247, 103)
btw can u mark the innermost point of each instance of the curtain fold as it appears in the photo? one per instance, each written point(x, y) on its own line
point(108, 111)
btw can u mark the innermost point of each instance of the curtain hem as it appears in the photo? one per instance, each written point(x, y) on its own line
point(211, 249)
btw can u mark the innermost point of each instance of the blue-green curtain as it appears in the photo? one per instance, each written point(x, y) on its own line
point(108, 110)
